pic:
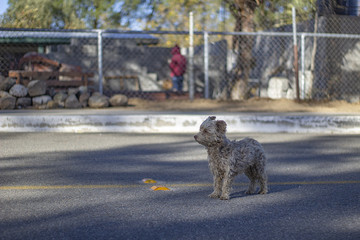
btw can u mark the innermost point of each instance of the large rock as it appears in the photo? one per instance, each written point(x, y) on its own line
point(60, 98)
point(4, 94)
point(97, 94)
point(83, 89)
point(118, 100)
point(7, 102)
point(37, 88)
point(84, 98)
point(72, 102)
point(73, 91)
point(18, 90)
point(98, 101)
point(6, 83)
point(23, 102)
point(52, 104)
point(41, 100)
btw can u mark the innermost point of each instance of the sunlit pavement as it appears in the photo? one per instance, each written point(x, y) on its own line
point(115, 120)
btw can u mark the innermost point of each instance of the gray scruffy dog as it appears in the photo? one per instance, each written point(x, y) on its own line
point(230, 158)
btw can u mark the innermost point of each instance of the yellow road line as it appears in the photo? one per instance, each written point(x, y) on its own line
point(190, 185)
point(270, 183)
point(54, 187)
point(64, 187)
point(315, 183)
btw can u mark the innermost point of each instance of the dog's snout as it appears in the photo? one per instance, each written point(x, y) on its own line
point(195, 137)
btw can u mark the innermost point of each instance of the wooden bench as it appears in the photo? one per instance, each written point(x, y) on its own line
point(52, 78)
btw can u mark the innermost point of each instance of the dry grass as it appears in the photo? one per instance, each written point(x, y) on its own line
point(251, 105)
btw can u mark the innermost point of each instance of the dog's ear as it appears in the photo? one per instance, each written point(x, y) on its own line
point(212, 117)
point(221, 126)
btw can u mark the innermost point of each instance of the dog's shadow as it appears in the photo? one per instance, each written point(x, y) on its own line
point(242, 194)
point(271, 190)
point(238, 194)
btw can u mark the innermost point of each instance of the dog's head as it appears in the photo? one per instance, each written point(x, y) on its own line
point(211, 132)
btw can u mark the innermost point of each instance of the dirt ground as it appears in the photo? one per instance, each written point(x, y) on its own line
point(251, 105)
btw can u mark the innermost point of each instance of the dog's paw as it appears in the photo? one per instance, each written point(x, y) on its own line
point(263, 192)
point(249, 192)
point(224, 197)
point(214, 195)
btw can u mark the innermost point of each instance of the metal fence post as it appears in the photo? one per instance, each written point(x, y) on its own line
point(206, 64)
point(296, 64)
point(100, 60)
point(303, 86)
point(191, 56)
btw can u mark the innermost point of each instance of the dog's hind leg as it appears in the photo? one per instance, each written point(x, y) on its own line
point(251, 175)
point(262, 176)
point(263, 183)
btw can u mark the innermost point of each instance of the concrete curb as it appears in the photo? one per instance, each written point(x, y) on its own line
point(177, 122)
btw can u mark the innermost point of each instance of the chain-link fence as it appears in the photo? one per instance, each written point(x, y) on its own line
point(137, 63)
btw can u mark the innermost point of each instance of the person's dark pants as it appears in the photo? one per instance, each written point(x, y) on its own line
point(177, 83)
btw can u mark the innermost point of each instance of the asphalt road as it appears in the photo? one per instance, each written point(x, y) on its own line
point(89, 186)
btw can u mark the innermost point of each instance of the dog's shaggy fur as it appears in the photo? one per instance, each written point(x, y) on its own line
point(230, 158)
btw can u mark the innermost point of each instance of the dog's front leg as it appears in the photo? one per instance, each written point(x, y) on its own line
point(226, 187)
point(217, 186)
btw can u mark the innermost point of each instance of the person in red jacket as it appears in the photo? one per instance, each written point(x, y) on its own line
point(178, 68)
